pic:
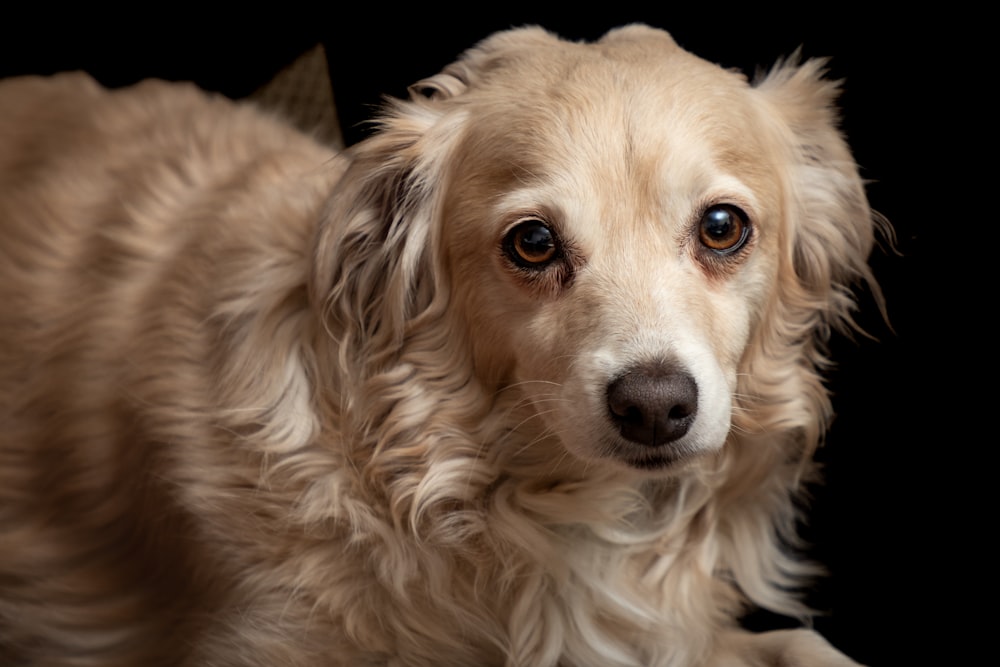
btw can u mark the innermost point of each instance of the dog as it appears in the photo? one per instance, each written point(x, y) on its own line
point(531, 376)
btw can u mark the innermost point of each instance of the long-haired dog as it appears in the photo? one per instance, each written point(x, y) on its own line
point(531, 376)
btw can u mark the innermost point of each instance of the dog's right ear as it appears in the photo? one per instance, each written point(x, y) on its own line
point(373, 269)
point(376, 266)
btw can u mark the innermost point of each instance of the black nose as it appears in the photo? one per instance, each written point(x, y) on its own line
point(653, 405)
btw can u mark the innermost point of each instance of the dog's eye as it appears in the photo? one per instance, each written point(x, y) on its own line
point(724, 228)
point(531, 244)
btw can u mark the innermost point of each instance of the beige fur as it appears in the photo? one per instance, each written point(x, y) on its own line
point(261, 404)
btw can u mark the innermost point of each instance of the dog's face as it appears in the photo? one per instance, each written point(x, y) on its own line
point(614, 240)
point(617, 220)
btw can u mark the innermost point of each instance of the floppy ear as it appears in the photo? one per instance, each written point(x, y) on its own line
point(833, 228)
point(374, 265)
point(830, 233)
point(375, 270)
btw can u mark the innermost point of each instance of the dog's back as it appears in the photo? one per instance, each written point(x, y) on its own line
point(130, 222)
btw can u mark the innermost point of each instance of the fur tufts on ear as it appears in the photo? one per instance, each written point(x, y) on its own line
point(371, 272)
point(833, 229)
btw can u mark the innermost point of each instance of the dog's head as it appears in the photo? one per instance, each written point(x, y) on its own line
point(645, 248)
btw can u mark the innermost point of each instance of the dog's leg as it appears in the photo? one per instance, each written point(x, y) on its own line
point(780, 648)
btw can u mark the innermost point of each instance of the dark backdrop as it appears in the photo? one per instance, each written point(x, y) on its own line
point(897, 521)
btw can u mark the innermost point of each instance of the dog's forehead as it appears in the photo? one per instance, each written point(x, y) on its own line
point(633, 90)
point(548, 57)
point(635, 57)
point(631, 113)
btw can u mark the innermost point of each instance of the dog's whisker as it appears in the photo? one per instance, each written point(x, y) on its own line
point(517, 386)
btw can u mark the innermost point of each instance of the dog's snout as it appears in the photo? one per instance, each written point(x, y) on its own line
point(653, 405)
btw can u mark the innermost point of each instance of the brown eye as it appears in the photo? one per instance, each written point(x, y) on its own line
point(531, 244)
point(724, 228)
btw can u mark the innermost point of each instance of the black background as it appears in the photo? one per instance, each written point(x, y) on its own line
point(900, 521)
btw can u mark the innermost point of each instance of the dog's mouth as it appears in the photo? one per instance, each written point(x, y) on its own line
point(653, 459)
point(651, 464)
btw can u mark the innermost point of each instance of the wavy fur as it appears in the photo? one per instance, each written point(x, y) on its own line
point(264, 404)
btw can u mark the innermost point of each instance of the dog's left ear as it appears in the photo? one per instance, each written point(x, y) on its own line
point(829, 233)
point(833, 228)
point(375, 258)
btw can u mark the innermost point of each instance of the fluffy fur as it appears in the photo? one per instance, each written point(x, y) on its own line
point(261, 404)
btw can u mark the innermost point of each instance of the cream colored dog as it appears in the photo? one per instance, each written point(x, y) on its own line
point(529, 377)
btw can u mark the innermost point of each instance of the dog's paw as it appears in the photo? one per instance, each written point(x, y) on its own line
point(780, 648)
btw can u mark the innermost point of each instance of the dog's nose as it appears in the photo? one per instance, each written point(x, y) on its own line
point(653, 405)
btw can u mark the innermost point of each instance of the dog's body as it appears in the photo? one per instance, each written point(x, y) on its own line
point(527, 378)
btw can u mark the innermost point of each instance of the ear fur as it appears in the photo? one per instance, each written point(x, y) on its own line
point(830, 234)
point(372, 270)
point(834, 229)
